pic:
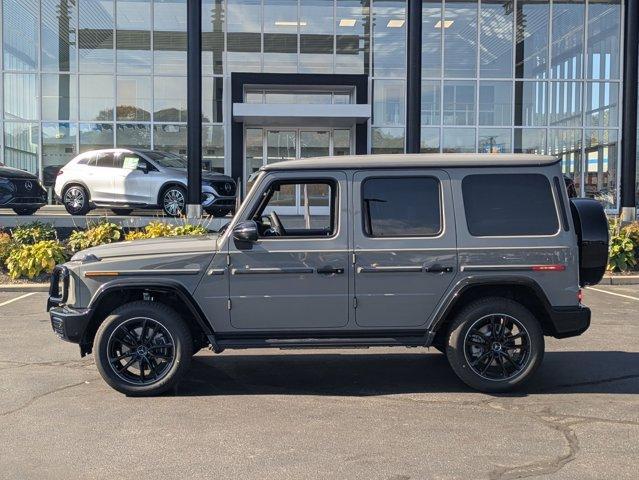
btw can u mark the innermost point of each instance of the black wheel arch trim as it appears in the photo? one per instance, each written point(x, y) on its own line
point(166, 185)
point(72, 183)
point(564, 321)
point(154, 285)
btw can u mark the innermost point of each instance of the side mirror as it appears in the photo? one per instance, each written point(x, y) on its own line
point(246, 231)
point(143, 167)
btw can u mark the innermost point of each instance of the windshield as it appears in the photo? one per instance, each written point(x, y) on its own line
point(166, 159)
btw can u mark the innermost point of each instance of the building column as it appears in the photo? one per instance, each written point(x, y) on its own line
point(194, 107)
point(414, 76)
point(629, 105)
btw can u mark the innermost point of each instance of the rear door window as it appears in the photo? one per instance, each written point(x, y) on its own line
point(104, 160)
point(401, 207)
point(509, 205)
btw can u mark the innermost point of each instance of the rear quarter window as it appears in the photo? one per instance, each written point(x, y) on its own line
point(509, 205)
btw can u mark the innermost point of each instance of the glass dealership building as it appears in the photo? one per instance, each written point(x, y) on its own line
point(295, 78)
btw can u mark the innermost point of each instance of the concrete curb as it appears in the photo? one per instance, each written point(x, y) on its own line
point(620, 280)
point(24, 287)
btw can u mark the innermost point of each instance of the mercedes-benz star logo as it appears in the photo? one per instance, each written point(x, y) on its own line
point(28, 185)
point(227, 187)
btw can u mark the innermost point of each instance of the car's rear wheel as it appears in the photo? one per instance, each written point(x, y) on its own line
point(495, 344)
point(143, 348)
point(173, 201)
point(218, 212)
point(122, 211)
point(76, 200)
point(25, 211)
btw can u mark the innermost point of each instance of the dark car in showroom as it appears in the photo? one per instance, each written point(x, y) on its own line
point(20, 191)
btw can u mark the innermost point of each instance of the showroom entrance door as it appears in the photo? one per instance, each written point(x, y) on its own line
point(264, 145)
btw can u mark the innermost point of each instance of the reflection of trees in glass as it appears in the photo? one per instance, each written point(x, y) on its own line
point(124, 112)
point(387, 140)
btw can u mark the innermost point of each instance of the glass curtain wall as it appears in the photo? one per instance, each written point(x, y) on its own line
point(498, 75)
point(84, 74)
point(532, 76)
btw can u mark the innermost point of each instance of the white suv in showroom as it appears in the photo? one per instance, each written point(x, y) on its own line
point(126, 179)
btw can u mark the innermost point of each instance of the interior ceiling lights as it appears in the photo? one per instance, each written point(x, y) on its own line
point(396, 23)
point(347, 22)
point(447, 23)
point(286, 23)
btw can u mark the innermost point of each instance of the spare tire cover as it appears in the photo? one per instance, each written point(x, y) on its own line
point(591, 225)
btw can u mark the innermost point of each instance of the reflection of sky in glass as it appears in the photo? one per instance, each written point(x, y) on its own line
point(169, 15)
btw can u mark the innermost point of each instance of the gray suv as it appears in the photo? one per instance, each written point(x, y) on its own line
point(123, 179)
point(479, 256)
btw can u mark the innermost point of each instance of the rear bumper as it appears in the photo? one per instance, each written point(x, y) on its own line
point(68, 323)
point(569, 321)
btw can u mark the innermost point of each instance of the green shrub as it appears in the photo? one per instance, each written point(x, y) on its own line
point(100, 234)
point(33, 232)
point(188, 229)
point(621, 254)
point(162, 229)
point(31, 260)
point(6, 245)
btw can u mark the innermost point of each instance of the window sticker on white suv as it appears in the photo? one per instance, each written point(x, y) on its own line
point(131, 163)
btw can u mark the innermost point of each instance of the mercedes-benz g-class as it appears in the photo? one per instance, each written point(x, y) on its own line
point(479, 256)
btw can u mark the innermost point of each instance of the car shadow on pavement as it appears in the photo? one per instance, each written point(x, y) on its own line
point(352, 374)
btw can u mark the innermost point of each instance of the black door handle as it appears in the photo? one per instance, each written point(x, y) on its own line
point(329, 270)
point(438, 269)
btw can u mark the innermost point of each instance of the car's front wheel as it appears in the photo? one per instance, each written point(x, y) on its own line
point(495, 344)
point(76, 200)
point(122, 211)
point(143, 348)
point(24, 211)
point(173, 201)
point(218, 212)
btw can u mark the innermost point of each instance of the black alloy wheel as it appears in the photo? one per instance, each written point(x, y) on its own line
point(141, 351)
point(143, 348)
point(494, 344)
point(497, 347)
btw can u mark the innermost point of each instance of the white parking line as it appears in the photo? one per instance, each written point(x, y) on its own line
point(612, 293)
point(17, 298)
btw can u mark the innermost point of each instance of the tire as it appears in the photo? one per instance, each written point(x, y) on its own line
point(122, 211)
point(173, 201)
point(165, 350)
point(218, 212)
point(497, 365)
point(25, 211)
point(76, 200)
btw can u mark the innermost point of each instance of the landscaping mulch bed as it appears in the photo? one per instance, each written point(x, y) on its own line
point(7, 280)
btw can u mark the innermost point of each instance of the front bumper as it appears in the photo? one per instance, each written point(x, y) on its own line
point(569, 321)
point(24, 202)
point(13, 193)
point(70, 323)
point(210, 200)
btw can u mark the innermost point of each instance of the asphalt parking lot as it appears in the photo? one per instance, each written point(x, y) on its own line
point(393, 414)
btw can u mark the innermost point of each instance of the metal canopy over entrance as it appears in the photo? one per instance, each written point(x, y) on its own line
point(272, 144)
point(282, 116)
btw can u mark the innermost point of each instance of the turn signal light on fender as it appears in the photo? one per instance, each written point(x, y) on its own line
point(548, 268)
